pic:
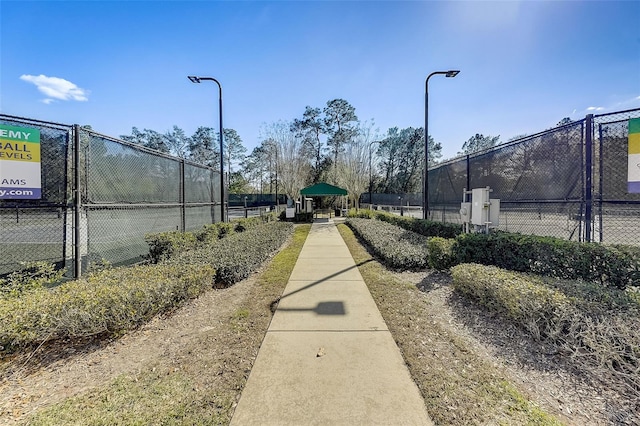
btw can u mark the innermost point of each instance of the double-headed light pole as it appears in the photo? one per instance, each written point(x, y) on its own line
point(195, 79)
point(425, 193)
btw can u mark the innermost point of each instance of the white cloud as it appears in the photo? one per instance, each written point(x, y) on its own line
point(595, 109)
point(56, 88)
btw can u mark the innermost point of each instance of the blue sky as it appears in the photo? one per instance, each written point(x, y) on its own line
point(116, 64)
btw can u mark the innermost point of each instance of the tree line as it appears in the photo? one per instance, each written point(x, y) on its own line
point(329, 144)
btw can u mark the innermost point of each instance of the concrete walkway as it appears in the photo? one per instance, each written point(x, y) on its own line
point(328, 357)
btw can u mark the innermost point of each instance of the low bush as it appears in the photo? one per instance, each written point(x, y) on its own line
point(523, 299)
point(239, 254)
point(593, 323)
point(440, 253)
point(163, 245)
point(32, 276)
point(120, 299)
point(214, 231)
point(106, 302)
point(616, 266)
point(398, 248)
point(362, 213)
point(419, 226)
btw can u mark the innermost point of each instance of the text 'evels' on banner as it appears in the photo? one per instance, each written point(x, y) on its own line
point(20, 171)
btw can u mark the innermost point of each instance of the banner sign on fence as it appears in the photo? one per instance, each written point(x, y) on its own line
point(20, 172)
point(634, 156)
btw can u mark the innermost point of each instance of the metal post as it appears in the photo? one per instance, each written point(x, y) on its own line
point(425, 188)
point(600, 179)
point(223, 199)
point(588, 172)
point(468, 172)
point(77, 202)
point(183, 201)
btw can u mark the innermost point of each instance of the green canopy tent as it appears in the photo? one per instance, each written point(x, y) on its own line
point(323, 189)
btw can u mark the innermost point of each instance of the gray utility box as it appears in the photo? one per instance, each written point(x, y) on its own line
point(482, 212)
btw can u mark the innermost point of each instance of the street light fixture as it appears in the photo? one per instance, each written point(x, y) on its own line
point(425, 193)
point(195, 79)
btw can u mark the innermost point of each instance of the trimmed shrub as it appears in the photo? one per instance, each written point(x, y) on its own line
point(419, 226)
point(110, 301)
point(440, 253)
point(595, 299)
point(241, 225)
point(238, 255)
point(597, 324)
point(163, 245)
point(361, 213)
point(32, 276)
point(542, 311)
point(115, 300)
point(397, 247)
point(214, 231)
point(616, 266)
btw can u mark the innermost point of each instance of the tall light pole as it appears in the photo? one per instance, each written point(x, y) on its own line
point(425, 191)
point(195, 79)
point(370, 176)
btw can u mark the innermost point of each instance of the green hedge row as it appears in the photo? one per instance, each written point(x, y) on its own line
point(115, 300)
point(598, 324)
point(616, 266)
point(397, 247)
point(164, 245)
point(110, 301)
point(237, 255)
point(419, 226)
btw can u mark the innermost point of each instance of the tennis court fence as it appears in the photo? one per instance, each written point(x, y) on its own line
point(100, 196)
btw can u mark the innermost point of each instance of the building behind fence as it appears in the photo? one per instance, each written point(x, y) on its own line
point(100, 197)
point(568, 182)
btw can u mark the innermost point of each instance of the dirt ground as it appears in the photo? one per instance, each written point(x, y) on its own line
point(197, 335)
point(217, 337)
point(572, 391)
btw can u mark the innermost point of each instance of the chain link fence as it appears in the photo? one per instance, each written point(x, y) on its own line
point(100, 197)
point(616, 212)
point(568, 182)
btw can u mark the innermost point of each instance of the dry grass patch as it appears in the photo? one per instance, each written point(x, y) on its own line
point(459, 386)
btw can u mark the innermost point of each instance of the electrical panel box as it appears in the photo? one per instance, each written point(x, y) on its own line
point(465, 212)
point(494, 212)
point(480, 206)
point(482, 213)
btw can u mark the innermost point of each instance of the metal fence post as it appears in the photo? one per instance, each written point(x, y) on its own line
point(600, 181)
point(588, 142)
point(183, 202)
point(77, 203)
point(468, 172)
